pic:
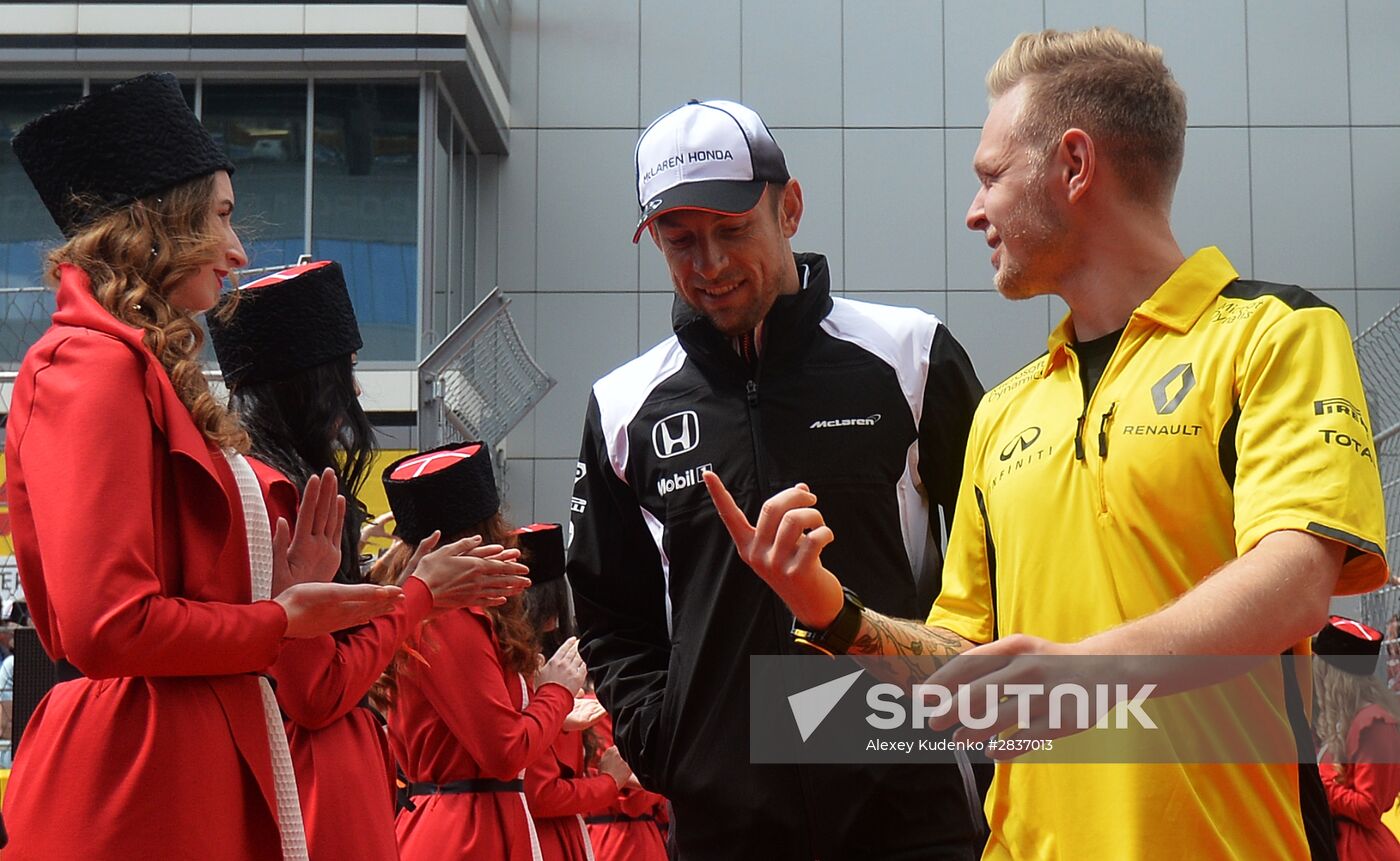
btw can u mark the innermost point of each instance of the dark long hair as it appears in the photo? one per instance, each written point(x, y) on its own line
point(546, 603)
point(310, 421)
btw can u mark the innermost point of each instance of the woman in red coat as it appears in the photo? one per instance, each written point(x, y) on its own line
point(556, 785)
point(1360, 756)
point(629, 828)
point(463, 720)
point(561, 792)
point(132, 513)
point(287, 349)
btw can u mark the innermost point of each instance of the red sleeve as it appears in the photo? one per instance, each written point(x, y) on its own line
point(549, 793)
point(1372, 781)
point(636, 802)
point(90, 502)
point(320, 679)
point(279, 494)
point(465, 685)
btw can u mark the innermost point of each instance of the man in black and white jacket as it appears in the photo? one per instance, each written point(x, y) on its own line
point(768, 380)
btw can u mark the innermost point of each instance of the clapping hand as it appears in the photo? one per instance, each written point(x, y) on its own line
point(311, 553)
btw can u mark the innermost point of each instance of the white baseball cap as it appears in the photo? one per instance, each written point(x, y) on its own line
point(715, 156)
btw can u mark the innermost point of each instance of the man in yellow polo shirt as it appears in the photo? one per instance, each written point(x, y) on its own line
point(1188, 470)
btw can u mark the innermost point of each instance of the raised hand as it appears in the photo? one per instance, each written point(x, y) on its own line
point(311, 553)
point(785, 548)
point(565, 668)
point(585, 713)
point(467, 573)
point(321, 608)
point(612, 764)
point(376, 528)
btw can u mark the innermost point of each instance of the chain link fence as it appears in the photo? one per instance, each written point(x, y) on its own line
point(479, 382)
point(1378, 355)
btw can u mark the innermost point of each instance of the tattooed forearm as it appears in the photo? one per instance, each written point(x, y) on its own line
point(921, 647)
point(881, 635)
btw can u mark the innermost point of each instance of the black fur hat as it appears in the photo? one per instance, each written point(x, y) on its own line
point(1349, 645)
point(287, 322)
point(543, 547)
point(450, 488)
point(103, 152)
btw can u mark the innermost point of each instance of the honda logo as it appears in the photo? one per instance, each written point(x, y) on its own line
point(676, 434)
point(1164, 404)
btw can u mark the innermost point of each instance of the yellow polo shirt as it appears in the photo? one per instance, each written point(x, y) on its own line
point(1230, 409)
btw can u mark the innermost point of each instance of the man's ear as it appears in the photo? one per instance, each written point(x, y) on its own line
point(1076, 162)
point(790, 208)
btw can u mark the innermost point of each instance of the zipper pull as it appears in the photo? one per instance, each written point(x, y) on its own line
point(751, 392)
point(1103, 430)
point(1079, 437)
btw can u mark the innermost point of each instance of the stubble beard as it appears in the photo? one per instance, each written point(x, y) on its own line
point(1038, 232)
point(738, 321)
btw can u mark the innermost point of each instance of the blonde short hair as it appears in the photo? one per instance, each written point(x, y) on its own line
point(1112, 85)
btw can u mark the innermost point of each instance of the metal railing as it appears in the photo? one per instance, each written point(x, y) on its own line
point(479, 381)
point(1378, 356)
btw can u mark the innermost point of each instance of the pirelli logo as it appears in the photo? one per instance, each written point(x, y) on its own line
point(1340, 407)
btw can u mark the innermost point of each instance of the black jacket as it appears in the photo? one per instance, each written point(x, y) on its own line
point(868, 404)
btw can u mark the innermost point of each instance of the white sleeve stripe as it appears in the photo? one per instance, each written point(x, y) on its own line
point(900, 337)
point(620, 396)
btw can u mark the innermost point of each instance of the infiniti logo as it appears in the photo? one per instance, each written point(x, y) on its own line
point(676, 434)
point(1022, 441)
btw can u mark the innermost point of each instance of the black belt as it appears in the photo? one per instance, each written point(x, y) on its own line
point(457, 787)
point(618, 817)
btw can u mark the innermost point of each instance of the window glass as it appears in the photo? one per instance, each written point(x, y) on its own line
point(464, 191)
point(365, 206)
point(445, 219)
point(27, 232)
point(262, 128)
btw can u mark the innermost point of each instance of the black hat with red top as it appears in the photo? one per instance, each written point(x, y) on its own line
point(1349, 645)
point(449, 488)
point(283, 323)
point(542, 546)
point(137, 139)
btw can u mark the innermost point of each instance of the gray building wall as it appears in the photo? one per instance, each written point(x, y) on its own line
point(1290, 167)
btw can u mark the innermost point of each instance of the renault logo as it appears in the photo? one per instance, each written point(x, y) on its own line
point(1165, 403)
point(1023, 440)
point(676, 434)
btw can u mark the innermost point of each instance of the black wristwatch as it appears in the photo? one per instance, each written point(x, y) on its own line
point(838, 637)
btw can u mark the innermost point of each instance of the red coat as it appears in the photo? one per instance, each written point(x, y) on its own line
point(345, 772)
point(463, 717)
point(638, 814)
point(129, 536)
point(559, 793)
point(1373, 782)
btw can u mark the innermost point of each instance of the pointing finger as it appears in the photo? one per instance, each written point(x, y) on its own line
point(729, 512)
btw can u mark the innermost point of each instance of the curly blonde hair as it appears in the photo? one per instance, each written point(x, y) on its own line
point(1340, 696)
point(134, 256)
